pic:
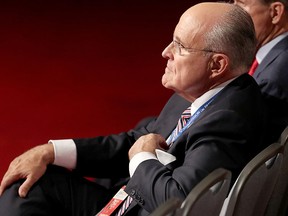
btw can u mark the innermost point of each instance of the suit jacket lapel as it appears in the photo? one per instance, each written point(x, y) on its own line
point(272, 55)
point(168, 118)
point(211, 108)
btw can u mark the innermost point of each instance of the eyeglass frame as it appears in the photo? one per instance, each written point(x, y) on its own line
point(178, 47)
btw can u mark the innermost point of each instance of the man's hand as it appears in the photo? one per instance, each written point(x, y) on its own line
point(148, 143)
point(31, 165)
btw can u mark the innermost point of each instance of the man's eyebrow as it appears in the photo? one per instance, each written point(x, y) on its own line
point(236, 2)
point(177, 39)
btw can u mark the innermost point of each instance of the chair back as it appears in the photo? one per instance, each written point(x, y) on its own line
point(207, 197)
point(278, 203)
point(253, 188)
point(168, 208)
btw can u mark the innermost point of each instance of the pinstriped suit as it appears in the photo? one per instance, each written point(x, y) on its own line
point(227, 134)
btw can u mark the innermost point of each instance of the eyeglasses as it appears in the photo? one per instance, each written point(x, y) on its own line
point(180, 49)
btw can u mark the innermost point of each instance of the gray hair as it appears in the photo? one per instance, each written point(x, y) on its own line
point(268, 2)
point(234, 35)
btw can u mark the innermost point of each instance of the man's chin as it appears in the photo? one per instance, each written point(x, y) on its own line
point(167, 85)
point(165, 82)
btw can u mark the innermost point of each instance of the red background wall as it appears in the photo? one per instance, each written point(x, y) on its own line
point(75, 68)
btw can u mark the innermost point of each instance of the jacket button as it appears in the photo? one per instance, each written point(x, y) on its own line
point(133, 192)
point(141, 201)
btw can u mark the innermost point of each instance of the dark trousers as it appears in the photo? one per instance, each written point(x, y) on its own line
point(58, 192)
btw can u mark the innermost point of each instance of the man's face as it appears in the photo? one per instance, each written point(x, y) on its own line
point(187, 71)
point(261, 16)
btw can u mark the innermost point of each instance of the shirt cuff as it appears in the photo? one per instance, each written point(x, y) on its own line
point(65, 153)
point(139, 158)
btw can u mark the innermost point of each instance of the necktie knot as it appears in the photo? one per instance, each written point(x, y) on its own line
point(183, 120)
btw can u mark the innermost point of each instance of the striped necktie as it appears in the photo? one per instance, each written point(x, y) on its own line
point(185, 116)
point(124, 206)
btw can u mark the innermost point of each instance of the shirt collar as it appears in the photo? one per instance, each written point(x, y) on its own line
point(207, 95)
point(264, 50)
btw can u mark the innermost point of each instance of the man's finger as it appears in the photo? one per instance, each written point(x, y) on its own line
point(25, 187)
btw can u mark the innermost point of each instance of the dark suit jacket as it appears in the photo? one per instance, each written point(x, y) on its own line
point(272, 77)
point(227, 134)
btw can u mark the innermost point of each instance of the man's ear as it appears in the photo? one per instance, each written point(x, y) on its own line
point(219, 64)
point(276, 11)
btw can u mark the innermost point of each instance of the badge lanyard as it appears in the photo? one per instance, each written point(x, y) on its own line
point(114, 203)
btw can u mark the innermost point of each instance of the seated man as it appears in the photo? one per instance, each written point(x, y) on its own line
point(221, 125)
point(271, 25)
